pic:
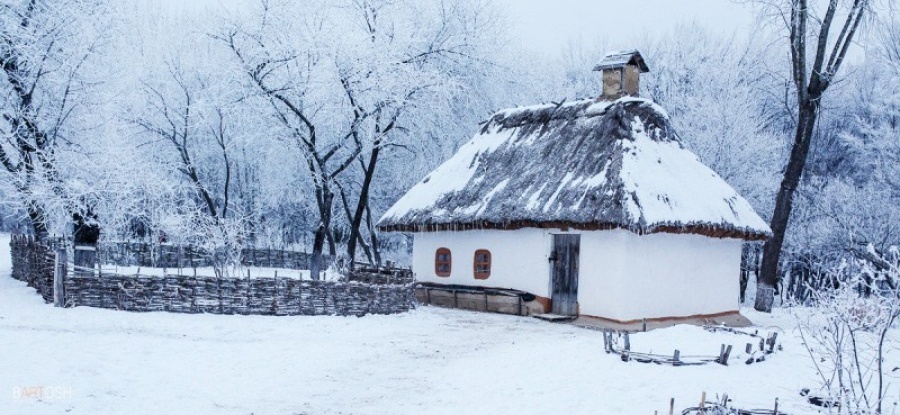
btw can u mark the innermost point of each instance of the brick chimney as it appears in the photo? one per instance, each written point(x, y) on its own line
point(621, 74)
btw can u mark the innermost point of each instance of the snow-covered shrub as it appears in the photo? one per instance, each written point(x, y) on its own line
point(225, 240)
point(850, 336)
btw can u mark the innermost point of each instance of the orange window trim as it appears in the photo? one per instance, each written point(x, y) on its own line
point(443, 262)
point(482, 264)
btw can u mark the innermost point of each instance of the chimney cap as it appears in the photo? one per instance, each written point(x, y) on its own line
point(614, 60)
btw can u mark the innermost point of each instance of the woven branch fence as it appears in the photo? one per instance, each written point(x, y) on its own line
point(33, 263)
point(364, 291)
point(189, 256)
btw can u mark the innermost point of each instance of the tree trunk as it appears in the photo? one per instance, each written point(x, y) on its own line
point(769, 275)
point(373, 236)
point(318, 243)
point(325, 199)
point(362, 203)
point(38, 220)
point(326, 220)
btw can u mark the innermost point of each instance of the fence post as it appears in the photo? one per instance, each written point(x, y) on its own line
point(59, 276)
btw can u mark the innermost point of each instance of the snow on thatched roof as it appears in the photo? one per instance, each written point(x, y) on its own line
point(582, 165)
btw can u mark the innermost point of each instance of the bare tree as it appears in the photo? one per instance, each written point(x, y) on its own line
point(810, 83)
point(43, 48)
point(284, 74)
point(191, 132)
point(175, 117)
point(343, 97)
point(404, 72)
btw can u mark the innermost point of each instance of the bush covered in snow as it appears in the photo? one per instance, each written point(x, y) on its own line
point(847, 337)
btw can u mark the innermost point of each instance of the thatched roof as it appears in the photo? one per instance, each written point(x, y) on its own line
point(581, 165)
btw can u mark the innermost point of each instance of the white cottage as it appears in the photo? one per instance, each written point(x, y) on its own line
point(590, 207)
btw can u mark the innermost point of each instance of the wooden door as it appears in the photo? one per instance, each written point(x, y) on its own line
point(564, 278)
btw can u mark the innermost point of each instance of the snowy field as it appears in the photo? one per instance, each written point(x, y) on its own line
point(432, 360)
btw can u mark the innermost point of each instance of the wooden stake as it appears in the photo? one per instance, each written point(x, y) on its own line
point(59, 277)
point(671, 406)
point(703, 403)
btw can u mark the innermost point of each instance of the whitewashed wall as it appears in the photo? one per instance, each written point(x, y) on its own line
point(625, 276)
point(519, 258)
point(622, 275)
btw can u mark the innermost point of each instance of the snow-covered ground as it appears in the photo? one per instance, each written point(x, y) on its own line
point(431, 360)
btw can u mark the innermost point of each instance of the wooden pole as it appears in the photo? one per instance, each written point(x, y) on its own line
point(703, 402)
point(671, 406)
point(59, 276)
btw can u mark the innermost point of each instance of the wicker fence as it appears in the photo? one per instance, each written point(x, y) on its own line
point(33, 263)
point(364, 291)
point(267, 296)
point(188, 256)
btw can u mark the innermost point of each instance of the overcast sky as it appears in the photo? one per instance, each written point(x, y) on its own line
point(548, 25)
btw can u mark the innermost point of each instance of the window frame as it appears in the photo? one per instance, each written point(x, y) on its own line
point(482, 275)
point(438, 262)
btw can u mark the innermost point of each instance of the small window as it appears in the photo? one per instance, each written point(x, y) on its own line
point(442, 262)
point(482, 264)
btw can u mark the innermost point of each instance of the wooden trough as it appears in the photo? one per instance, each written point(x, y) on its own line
point(490, 300)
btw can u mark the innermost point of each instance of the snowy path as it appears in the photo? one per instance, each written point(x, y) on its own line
point(428, 361)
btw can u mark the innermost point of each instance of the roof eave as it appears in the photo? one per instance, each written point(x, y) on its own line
point(713, 231)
